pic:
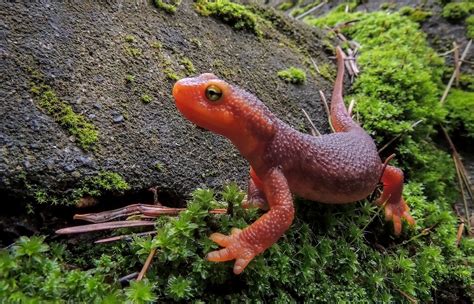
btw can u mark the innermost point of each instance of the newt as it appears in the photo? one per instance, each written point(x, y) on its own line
point(336, 168)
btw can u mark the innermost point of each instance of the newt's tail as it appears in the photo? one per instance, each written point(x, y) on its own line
point(340, 119)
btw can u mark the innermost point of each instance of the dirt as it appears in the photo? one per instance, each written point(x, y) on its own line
point(83, 52)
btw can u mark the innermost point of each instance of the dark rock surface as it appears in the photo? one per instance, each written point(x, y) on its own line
point(81, 49)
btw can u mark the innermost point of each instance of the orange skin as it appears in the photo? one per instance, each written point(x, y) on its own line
point(335, 168)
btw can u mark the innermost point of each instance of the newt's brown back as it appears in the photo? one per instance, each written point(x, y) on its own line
point(341, 167)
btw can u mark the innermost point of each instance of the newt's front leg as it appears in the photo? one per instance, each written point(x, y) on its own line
point(255, 195)
point(244, 245)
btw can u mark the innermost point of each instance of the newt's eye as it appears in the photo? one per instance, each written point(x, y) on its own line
point(213, 93)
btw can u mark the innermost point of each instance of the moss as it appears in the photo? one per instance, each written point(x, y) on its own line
point(133, 51)
point(156, 45)
point(326, 257)
point(470, 27)
point(168, 6)
point(188, 65)
point(33, 272)
point(159, 166)
point(327, 72)
point(85, 133)
point(196, 42)
point(293, 75)
point(286, 5)
point(92, 186)
point(145, 98)
point(400, 84)
point(387, 6)
point(129, 78)
point(457, 11)
point(460, 104)
point(105, 181)
point(301, 10)
point(170, 74)
point(415, 14)
point(466, 81)
point(236, 15)
point(129, 38)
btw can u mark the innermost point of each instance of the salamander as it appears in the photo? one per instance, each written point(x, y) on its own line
point(336, 168)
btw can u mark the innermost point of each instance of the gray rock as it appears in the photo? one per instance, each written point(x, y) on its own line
point(80, 49)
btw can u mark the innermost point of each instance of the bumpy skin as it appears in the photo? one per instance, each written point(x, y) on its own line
point(335, 168)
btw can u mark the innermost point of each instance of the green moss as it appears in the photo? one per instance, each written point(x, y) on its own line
point(93, 186)
point(156, 45)
point(133, 51)
point(387, 6)
point(400, 84)
point(323, 258)
point(460, 106)
point(129, 78)
point(327, 72)
point(129, 38)
point(145, 98)
point(196, 42)
point(457, 11)
point(301, 10)
point(170, 74)
point(85, 133)
point(33, 272)
point(286, 5)
point(470, 27)
point(415, 14)
point(293, 75)
point(188, 65)
point(159, 166)
point(169, 6)
point(466, 81)
point(236, 15)
point(327, 256)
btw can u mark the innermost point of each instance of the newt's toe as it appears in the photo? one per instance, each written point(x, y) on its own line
point(396, 212)
point(234, 248)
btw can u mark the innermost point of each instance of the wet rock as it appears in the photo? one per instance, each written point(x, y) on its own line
point(81, 51)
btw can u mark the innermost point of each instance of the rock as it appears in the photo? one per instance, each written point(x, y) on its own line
point(118, 118)
point(81, 50)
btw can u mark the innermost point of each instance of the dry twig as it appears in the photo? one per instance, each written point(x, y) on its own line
point(398, 136)
point(459, 234)
point(314, 130)
point(351, 107)
point(457, 64)
point(123, 237)
point(310, 10)
point(104, 226)
point(147, 264)
point(451, 80)
point(326, 106)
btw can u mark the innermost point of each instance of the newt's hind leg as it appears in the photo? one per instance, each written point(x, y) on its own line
point(255, 195)
point(395, 206)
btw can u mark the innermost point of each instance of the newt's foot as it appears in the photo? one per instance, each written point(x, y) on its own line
point(396, 212)
point(234, 248)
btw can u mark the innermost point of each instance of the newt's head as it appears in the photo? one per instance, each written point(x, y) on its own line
point(215, 105)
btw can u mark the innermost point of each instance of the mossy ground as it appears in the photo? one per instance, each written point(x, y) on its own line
point(293, 75)
point(235, 14)
point(90, 187)
point(457, 11)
